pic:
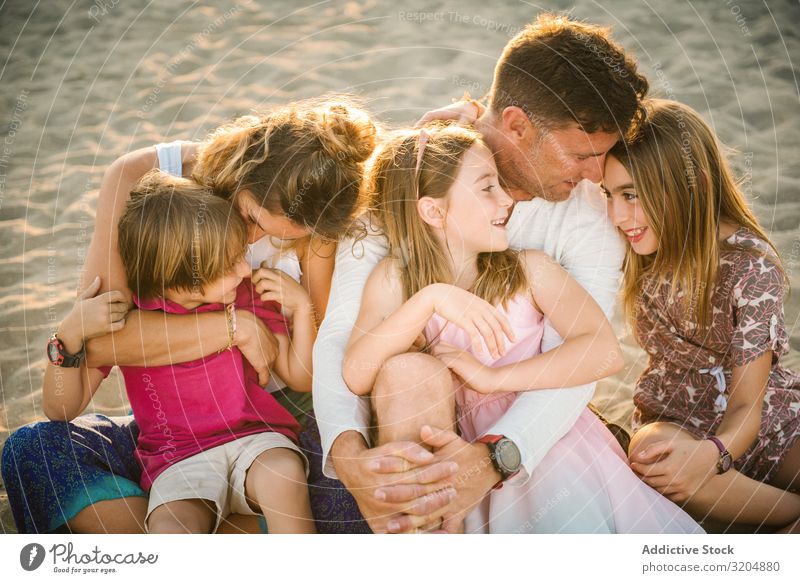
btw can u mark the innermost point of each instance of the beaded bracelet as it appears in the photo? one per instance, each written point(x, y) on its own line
point(230, 320)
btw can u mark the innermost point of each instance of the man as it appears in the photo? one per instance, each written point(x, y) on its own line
point(563, 94)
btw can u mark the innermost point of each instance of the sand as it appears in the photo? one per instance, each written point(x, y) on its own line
point(83, 83)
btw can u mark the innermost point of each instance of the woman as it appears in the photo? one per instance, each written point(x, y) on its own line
point(294, 175)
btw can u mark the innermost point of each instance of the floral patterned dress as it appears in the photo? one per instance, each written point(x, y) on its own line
point(688, 375)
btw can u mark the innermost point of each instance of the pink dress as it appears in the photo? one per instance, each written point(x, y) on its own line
point(582, 485)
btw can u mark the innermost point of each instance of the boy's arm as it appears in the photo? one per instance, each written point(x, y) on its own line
point(66, 391)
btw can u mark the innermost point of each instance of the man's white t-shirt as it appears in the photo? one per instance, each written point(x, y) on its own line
point(577, 233)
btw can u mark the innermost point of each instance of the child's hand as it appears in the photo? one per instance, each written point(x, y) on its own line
point(679, 468)
point(274, 285)
point(477, 317)
point(478, 376)
point(94, 315)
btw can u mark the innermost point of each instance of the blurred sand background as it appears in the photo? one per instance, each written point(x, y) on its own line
point(83, 82)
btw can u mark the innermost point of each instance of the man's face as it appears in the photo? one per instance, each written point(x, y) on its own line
point(536, 161)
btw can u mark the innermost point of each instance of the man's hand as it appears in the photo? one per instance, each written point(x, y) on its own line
point(399, 487)
point(476, 477)
point(464, 112)
point(257, 344)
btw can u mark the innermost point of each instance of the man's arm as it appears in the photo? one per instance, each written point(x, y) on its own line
point(338, 410)
point(590, 249)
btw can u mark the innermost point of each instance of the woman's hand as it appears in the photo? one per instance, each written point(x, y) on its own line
point(464, 112)
point(477, 317)
point(678, 468)
point(92, 316)
point(477, 375)
point(257, 344)
point(274, 285)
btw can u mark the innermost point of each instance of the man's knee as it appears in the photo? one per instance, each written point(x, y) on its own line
point(409, 372)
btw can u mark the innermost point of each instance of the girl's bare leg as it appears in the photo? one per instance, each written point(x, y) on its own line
point(412, 390)
point(276, 482)
point(731, 497)
point(240, 524)
point(183, 517)
point(119, 516)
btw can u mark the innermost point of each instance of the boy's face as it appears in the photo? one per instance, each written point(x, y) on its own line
point(219, 291)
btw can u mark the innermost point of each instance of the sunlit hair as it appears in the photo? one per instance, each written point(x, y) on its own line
point(176, 234)
point(686, 188)
point(559, 71)
point(303, 161)
point(393, 182)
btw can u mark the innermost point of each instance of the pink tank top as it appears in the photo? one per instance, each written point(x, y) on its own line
point(478, 412)
point(190, 407)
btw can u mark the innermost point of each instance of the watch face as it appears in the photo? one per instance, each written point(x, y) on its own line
point(507, 454)
point(726, 462)
point(52, 352)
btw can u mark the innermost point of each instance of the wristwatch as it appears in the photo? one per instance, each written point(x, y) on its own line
point(505, 456)
point(57, 354)
point(725, 460)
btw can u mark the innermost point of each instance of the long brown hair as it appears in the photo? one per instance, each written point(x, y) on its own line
point(304, 160)
point(686, 188)
point(394, 183)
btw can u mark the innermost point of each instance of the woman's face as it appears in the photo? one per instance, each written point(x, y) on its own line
point(625, 210)
point(260, 222)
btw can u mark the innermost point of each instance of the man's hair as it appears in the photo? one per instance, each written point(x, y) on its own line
point(176, 234)
point(559, 70)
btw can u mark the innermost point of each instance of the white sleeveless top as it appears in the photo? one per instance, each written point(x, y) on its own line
point(263, 250)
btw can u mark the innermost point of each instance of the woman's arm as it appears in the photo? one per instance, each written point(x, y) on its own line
point(590, 350)
point(317, 260)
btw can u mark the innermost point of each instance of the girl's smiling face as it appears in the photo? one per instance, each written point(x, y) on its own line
point(625, 210)
point(477, 207)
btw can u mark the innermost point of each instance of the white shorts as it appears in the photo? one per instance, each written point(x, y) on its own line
point(217, 475)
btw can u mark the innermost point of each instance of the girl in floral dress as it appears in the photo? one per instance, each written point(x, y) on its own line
point(716, 418)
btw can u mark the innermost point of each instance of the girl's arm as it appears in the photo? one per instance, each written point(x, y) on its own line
point(590, 350)
point(678, 468)
point(66, 391)
point(317, 260)
point(387, 327)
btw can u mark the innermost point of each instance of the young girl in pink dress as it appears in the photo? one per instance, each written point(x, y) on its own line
point(453, 287)
point(717, 419)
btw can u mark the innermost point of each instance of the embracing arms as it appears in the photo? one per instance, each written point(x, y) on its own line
point(590, 350)
point(387, 326)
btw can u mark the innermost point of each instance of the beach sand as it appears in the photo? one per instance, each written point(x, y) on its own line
point(82, 84)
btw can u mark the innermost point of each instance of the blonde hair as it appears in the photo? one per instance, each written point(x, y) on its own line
point(686, 188)
point(176, 234)
point(394, 184)
point(304, 161)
